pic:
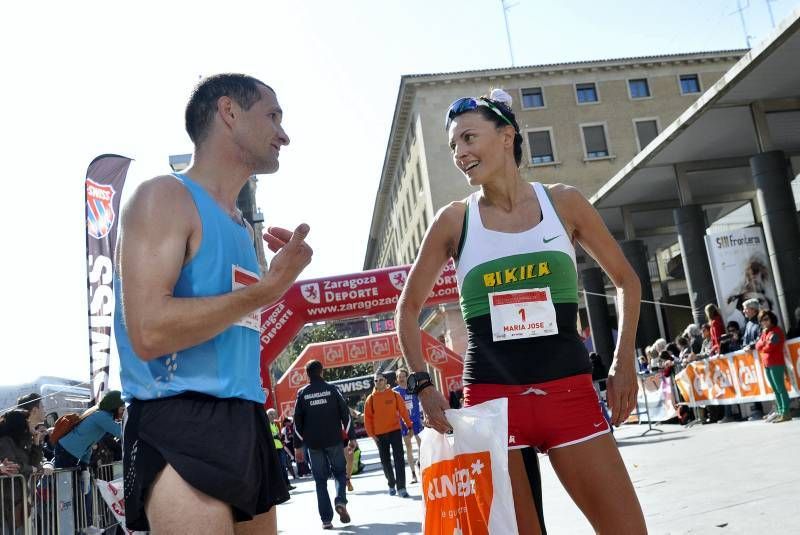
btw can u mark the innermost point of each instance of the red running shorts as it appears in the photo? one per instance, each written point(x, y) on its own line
point(546, 415)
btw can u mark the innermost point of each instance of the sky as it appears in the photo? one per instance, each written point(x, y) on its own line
point(85, 78)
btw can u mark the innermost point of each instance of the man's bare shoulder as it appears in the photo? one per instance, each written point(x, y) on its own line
point(159, 187)
point(162, 195)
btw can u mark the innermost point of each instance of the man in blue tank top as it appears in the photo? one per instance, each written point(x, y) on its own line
point(198, 455)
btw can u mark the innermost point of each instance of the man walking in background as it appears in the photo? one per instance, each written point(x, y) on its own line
point(322, 421)
point(382, 414)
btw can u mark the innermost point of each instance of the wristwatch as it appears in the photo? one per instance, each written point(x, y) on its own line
point(418, 381)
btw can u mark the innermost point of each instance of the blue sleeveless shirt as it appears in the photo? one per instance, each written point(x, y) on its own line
point(226, 366)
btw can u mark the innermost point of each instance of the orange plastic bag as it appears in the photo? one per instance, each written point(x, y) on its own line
point(466, 488)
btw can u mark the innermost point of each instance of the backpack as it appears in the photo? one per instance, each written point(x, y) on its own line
point(65, 424)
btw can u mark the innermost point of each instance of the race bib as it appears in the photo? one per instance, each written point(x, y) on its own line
point(241, 278)
point(522, 314)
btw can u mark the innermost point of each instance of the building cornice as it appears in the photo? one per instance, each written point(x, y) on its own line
point(581, 66)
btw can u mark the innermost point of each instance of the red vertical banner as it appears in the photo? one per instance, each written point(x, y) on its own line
point(104, 181)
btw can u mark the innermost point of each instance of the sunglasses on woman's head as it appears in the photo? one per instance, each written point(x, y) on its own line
point(466, 104)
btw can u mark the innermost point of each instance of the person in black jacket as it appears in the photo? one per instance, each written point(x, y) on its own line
point(322, 420)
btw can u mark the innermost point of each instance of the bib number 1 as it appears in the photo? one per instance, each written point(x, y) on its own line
point(522, 314)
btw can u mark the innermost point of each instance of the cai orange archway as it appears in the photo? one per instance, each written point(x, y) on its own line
point(372, 348)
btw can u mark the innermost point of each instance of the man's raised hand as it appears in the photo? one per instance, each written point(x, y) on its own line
point(293, 254)
point(276, 237)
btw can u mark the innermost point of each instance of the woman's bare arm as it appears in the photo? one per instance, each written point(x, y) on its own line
point(438, 246)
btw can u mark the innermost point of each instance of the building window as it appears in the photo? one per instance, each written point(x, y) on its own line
point(646, 131)
point(639, 88)
point(532, 97)
point(541, 146)
point(586, 93)
point(690, 83)
point(594, 139)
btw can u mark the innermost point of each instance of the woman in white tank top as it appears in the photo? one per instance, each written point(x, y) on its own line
point(487, 148)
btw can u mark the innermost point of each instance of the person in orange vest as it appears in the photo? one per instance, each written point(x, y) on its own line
point(383, 411)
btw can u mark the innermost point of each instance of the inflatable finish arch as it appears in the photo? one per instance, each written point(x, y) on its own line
point(372, 348)
point(342, 297)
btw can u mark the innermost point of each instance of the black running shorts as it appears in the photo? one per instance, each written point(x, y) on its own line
point(221, 447)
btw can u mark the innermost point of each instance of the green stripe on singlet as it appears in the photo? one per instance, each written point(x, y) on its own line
point(519, 272)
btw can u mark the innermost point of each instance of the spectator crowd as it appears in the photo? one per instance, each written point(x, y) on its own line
point(30, 451)
point(714, 337)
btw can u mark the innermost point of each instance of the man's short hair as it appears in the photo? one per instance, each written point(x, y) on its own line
point(380, 375)
point(314, 369)
point(202, 106)
point(401, 370)
point(752, 304)
point(29, 402)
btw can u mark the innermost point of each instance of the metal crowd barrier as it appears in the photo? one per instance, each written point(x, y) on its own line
point(13, 505)
point(57, 504)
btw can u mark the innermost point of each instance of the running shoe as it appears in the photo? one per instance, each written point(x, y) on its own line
point(291, 487)
point(327, 525)
point(782, 418)
point(349, 485)
point(402, 493)
point(771, 416)
point(414, 478)
point(344, 516)
point(392, 492)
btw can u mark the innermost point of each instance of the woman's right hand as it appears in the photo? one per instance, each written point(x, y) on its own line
point(434, 405)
